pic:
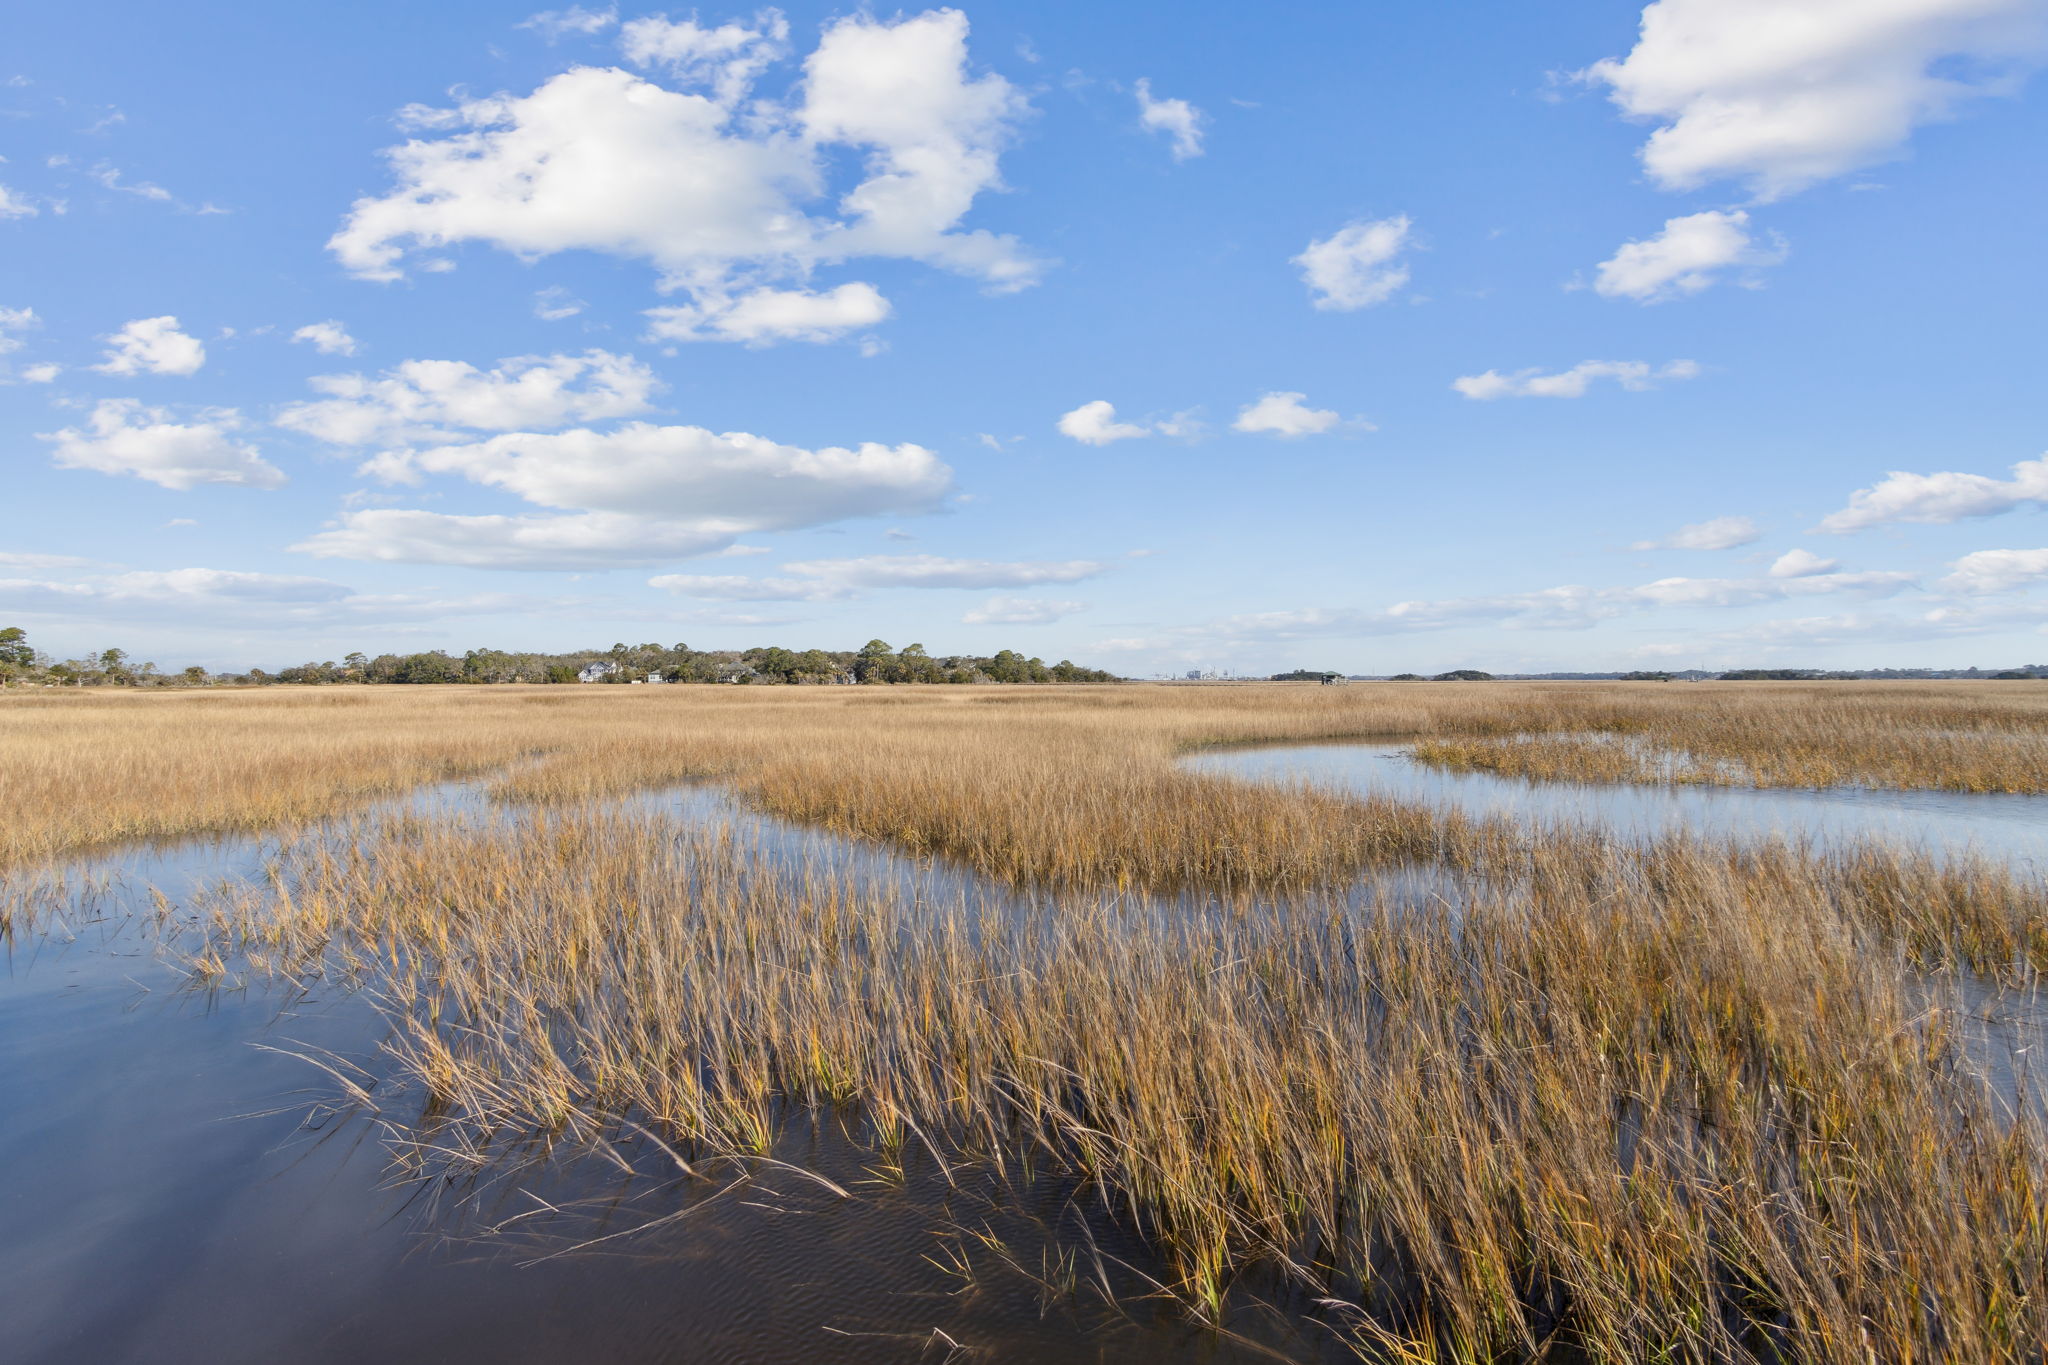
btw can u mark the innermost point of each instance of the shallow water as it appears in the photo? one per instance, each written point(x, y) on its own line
point(2001, 1028)
point(167, 1195)
point(2010, 827)
point(174, 1190)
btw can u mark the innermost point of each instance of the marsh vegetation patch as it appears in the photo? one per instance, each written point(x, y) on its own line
point(1238, 1062)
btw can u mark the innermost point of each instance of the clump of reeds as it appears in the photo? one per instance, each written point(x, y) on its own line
point(1966, 738)
point(95, 768)
point(1061, 787)
point(1661, 1104)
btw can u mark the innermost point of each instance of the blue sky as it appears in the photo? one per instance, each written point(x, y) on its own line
point(1367, 336)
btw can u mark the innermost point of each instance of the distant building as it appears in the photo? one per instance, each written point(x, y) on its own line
point(596, 672)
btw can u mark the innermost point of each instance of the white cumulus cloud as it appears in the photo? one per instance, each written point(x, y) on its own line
point(1996, 570)
point(554, 303)
point(153, 346)
point(935, 571)
point(124, 437)
point(689, 471)
point(1021, 611)
point(205, 594)
point(722, 191)
point(227, 597)
point(1567, 607)
point(554, 24)
point(1634, 375)
point(1718, 533)
point(1784, 93)
point(29, 559)
point(639, 494)
point(764, 316)
point(820, 580)
point(587, 540)
point(1802, 564)
point(1940, 498)
point(1285, 414)
point(425, 399)
point(13, 322)
point(1688, 256)
point(1357, 266)
point(328, 338)
point(740, 588)
point(727, 59)
point(1179, 120)
point(1095, 424)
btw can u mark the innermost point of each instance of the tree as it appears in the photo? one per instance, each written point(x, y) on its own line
point(775, 662)
point(874, 662)
point(913, 665)
point(434, 666)
point(17, 655)
point(1463, 675)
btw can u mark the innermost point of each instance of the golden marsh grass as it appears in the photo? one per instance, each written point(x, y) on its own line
point(1643, 1106)
point(1968, 737)
point(1673, 1101)
point(92, 768)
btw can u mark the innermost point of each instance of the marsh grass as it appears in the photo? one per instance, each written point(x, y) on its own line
point(86, 769)
point(1954, 737)
point(1646, 1106)
point(1667, 1101)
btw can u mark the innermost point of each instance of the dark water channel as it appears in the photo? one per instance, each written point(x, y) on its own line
point(168, 1196)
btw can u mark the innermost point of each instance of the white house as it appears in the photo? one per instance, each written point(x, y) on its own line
point(596, 672)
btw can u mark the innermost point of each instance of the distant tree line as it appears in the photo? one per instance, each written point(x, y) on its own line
point(21, 662)
point(2023, 672)
point(874, 662)
point(1839, 675)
